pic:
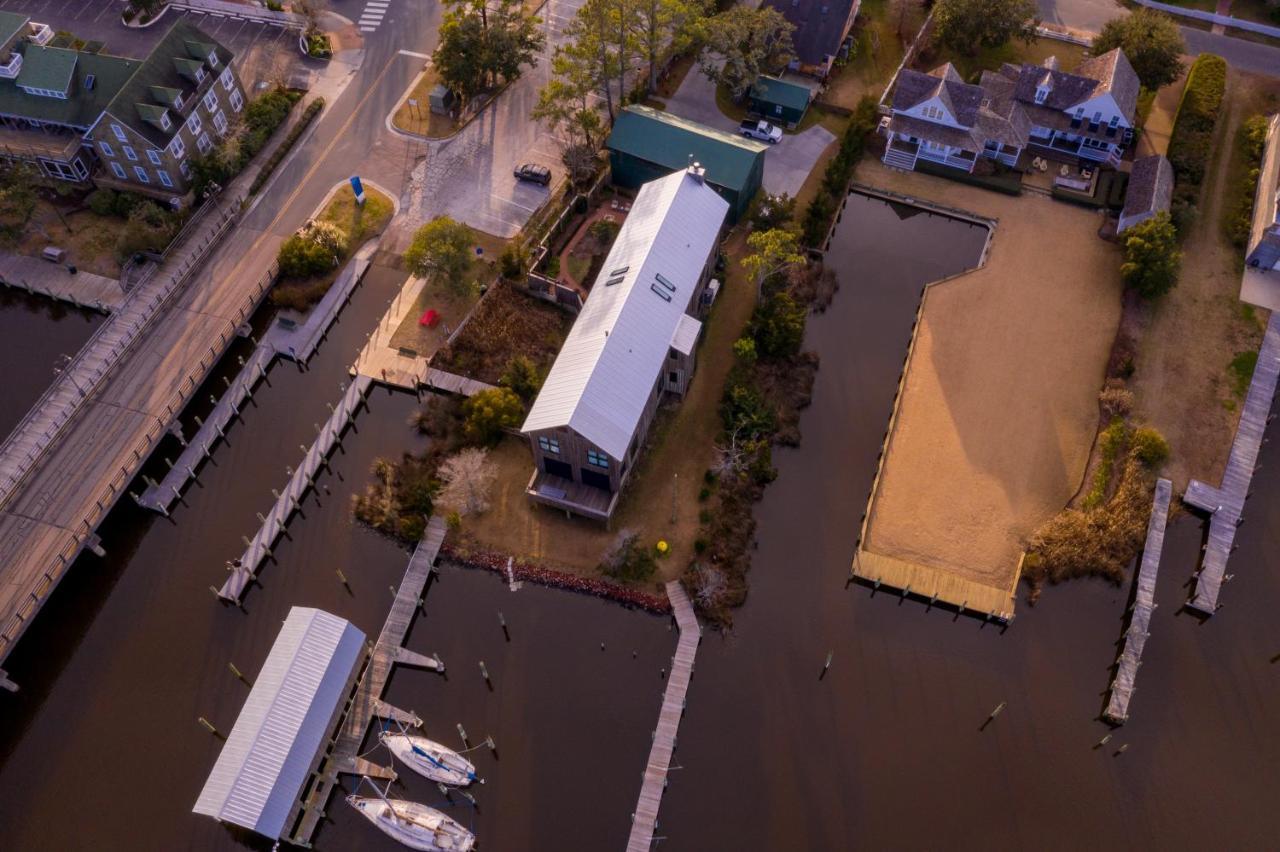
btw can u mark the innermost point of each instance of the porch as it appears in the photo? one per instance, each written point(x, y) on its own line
point(570, 496)
point(903, 154)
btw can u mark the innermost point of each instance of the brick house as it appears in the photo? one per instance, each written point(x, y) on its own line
point(634, 341)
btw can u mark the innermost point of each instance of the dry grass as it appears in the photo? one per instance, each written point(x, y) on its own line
point(89, 239)
point(971, 67)
point(360, 221)
point(999, 406)
point(420, 120)
point(506, 324)
point(882, 32)
point(678, 452)
point(1182, 381)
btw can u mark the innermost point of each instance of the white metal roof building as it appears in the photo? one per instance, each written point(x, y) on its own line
point(605, 374)
point(284, 723)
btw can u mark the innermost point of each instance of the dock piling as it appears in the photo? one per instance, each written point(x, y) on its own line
point(209, 726)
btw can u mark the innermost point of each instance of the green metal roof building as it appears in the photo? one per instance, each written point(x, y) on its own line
point(647, 144)
point(779, 101)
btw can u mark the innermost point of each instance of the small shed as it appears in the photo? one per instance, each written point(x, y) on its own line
point(279, 737)
point(1150, 191)
point(647, 144)
point(779, 101)
point(441, 99)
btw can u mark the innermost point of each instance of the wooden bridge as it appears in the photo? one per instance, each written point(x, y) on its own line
point(367, 703)
point(259, 548)
point(644, 822)
point(1226, 504)
point(1144, 605)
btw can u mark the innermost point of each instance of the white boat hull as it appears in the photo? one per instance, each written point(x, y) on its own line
point(431, 759)
point(414, 825)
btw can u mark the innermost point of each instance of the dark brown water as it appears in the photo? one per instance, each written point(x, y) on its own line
point(35, 333)
point(885, 752)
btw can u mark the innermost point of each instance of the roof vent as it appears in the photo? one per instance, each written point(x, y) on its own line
point(696, 170)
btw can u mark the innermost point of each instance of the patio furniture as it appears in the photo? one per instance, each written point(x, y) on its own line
point(1064, 170)
point(429, 318)
point(1086, 173)
point(1044, 165)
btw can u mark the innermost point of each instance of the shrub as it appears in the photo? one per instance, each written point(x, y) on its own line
point(1250, 139)
point(313, 109)
point(513, 261)
point(1149, 447)
point(523, 377)
point(316, 248)
point(744, 350)
point(628, 559)
point(1115, 401)
point(1241, 369)
point(772, 211)
point(489, 412)
point(1152, 259)
point(102, 202)
point(835, 180)
point(442, 247)
point(1192, 137)
point(704, 494)
point(149, 228)
point(777, 326)
point(603, 230)
point(552, 266)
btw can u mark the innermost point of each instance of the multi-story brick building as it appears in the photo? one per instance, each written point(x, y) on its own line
point(123, 123)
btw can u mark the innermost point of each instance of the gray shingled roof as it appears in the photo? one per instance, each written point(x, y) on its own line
point(961, 99)
point(1110, 72)
point(1150, 187)
point(818, 26)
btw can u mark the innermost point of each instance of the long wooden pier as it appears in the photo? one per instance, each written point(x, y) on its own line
point(644, 822)
point(367, 703)
point(54, 281)
point(1226, 504)
point(259, 548)
point(1135, 638)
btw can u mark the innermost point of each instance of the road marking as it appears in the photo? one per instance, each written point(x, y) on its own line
point(368, 29)
point(414, 55)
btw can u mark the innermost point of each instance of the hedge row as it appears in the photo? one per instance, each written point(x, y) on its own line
point(308, 115)
point(835, 180)
point(1197, 114)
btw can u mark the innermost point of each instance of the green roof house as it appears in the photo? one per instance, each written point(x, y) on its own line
point(647, 144)
point(779, 101)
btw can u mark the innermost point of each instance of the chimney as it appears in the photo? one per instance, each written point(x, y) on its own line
point(696, 171)
point(1051, 63)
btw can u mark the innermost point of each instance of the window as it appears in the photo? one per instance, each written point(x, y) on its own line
point(1041, 94)
point(165, 123)
point(194, 125)
point(203, 143)
point(142, 174)
point(220, 123)
point(664, 282)
point(82, 171)
point(549, 445)
point(119, 170)
point(119, 132)
point(106, 149)
point(164, 177)
point(154, 156)
point(236, 100)
point(211, 101)
point(185, 168)
point(129, 153)
point(227, 82)
point(597, 458)
point(177, 101)
point(200, 75)
point(177, 148)
point(933, 112)
point(213, 60)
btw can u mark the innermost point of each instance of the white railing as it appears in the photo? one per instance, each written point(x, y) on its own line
point(10, 69)
point(40, 33)
point(1213, 18)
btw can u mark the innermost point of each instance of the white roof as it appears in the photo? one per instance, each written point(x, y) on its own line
point(686, 335)
point(614, 353)
point(268, 755)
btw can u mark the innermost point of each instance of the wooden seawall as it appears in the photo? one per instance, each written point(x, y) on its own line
point(644, 822)
point(367, 704)
point(259, 548)
point(1226, 504)
point(1135, 638)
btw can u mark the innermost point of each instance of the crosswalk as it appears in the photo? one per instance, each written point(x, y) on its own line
point(372, 15)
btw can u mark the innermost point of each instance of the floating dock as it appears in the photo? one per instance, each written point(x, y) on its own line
point(245, 568)
point(1225, 505)
point(367, 703)
point(644, 822)
point(1144, 605)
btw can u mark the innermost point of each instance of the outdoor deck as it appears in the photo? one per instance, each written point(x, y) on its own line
point(246, 567)
point(570, 496)
point(1226, 504)
point(644, 822)
point(367, 702)
point(1122, 688)
point(938, 586)
point(84, 289)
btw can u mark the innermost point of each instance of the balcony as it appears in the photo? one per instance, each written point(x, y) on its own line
point(41, 34)
point(570, 496)
point(11, 65)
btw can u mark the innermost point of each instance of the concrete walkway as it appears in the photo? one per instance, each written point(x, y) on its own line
point(84, 289)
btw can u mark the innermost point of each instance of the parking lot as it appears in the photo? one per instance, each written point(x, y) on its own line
point(264, 54)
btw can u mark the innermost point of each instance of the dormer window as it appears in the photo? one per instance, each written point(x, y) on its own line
point(1042, 92)
point(933, 112)
point(165, 123)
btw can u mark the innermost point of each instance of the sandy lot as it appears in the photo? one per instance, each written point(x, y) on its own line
point(998, 409)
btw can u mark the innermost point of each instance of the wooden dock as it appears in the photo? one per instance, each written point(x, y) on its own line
point(451, 383)
point(1226, 504)
point(367, 703)
point(256, 550)
point(1135, 638)
point(935, 585)
point(644, 822)
point(38, 276)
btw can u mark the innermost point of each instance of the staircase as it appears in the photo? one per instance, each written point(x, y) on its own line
point(899, 159)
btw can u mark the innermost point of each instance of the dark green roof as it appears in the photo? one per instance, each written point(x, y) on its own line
point(47, 68)
point(11, 24)
point(82, 105)
point(160, 69)
point(775, 91)
point(670, 141)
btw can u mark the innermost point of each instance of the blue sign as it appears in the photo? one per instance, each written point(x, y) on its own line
point(357, 187)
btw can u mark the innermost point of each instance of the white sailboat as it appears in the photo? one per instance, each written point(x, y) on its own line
point(431, 759)
point(416, 826)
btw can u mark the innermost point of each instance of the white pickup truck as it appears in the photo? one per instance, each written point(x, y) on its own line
point(761, 130)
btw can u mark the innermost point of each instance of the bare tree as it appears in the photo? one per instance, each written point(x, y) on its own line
point(710, 585)
point(467, 476)
point(731, 458)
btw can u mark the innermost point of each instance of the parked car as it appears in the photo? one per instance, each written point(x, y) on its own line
point(761, 130)
point(534, 173)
